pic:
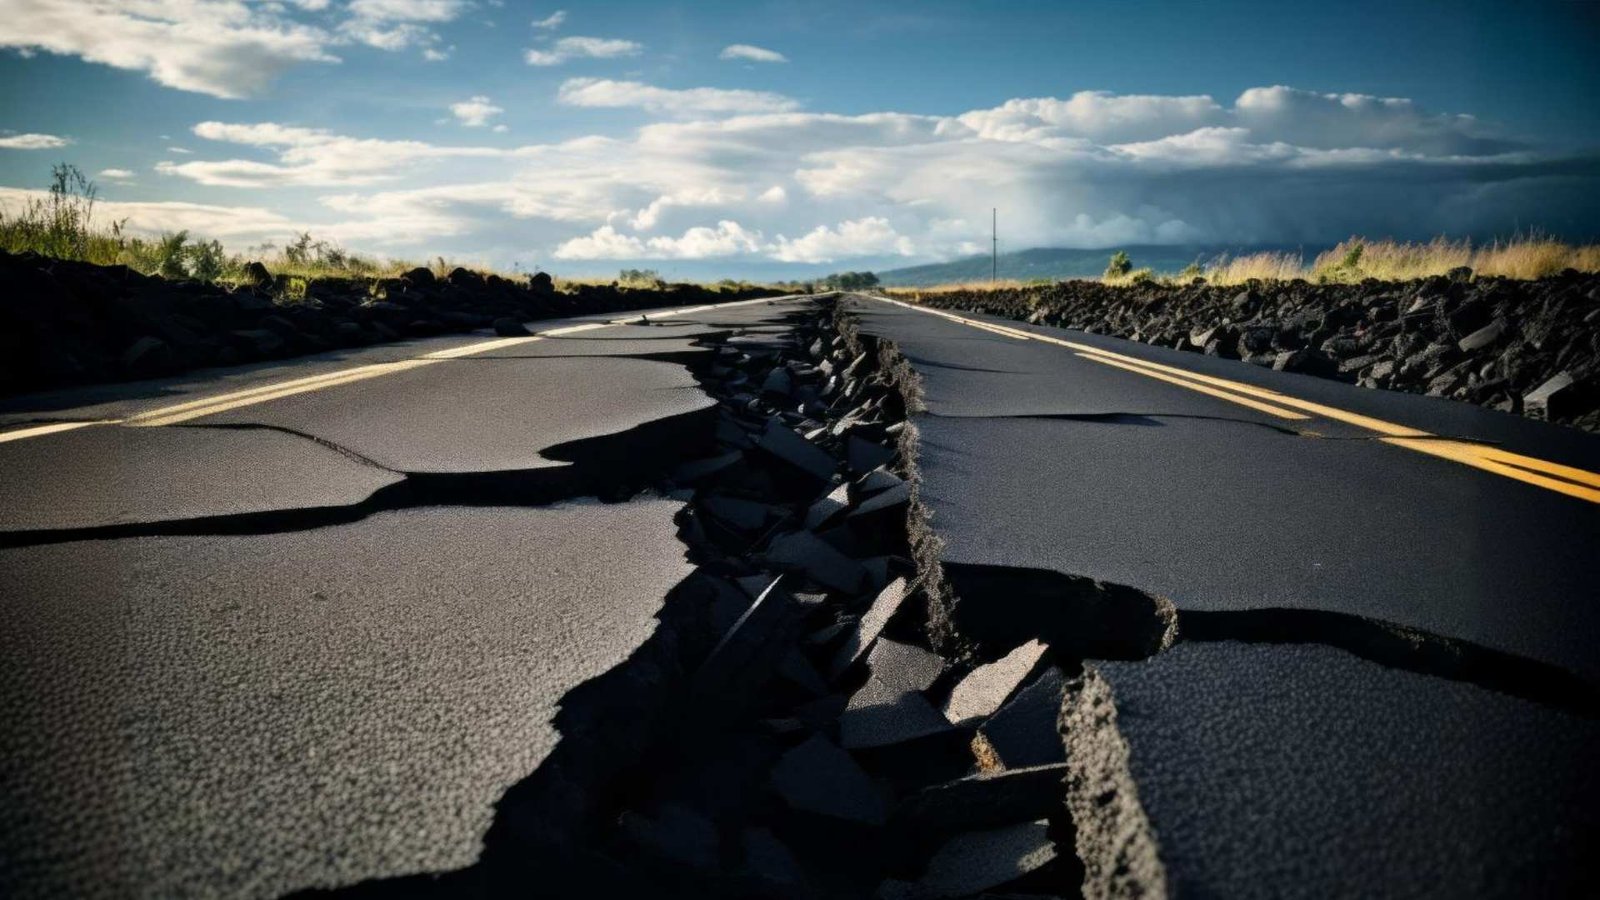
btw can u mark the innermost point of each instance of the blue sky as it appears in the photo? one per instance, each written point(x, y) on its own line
point(581, 138)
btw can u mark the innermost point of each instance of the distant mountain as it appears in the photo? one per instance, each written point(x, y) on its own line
point(1056, 263)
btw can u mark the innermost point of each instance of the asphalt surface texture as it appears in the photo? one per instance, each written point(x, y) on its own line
point(241, 659)
point(1384, 673)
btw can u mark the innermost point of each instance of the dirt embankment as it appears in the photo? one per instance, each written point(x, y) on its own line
point(65, 323)
point(1528, 347)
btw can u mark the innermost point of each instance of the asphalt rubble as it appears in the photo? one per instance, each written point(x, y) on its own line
point(801, 724)
point(1525, 347)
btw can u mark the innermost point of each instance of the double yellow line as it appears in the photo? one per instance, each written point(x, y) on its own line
point(208, 406)
point(1568, 480)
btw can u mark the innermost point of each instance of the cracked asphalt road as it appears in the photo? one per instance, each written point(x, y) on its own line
point(1033, 456)
point(337, 692)
point(1437, 743)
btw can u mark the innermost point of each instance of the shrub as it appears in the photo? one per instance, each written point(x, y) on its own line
point(1119, 266)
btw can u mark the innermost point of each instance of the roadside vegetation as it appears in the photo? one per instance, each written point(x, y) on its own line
point(1524, 256)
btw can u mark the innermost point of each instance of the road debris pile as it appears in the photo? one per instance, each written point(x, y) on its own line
point(791, 731)
point(1527, 347)
point(67, 322)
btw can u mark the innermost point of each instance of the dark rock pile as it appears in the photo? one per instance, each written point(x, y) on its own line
point(1528, 347)
point(70, 323)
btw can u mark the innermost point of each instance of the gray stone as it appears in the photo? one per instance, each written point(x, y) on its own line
point(986, 688)
point(818, 777)
point(791, 448)
point(147, 356)
point(868, 628)
point(980, 860)
point(804, 552)
point(256, 275)
point(1549, 399)
point(1023, 733)
point(509, 327)
point(1484, 336)
point(881, 714)
point(904, 666)
point(778, 382)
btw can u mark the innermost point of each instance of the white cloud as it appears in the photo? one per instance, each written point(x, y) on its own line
point(569, 48)
point(550, 22)
point(871, 236)
point(435, 54)
point(751, 53)
point(604, 92)
point(115, 174)
point(224, 48)
point(309, 157)
point(475, 112)
point(728, 238)
point(33, 142)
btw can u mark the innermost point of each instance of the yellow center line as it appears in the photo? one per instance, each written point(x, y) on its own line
point(1267, 408)
point(52, 428)
point(209, 406)
point(1564, 479)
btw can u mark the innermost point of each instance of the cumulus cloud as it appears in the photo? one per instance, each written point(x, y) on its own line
point(475, 112)
point(224, 48)
point(575, 47)
point(604, 92)
point(33, 142)
point(115, 175)
point(751, 53)
point(871, 236)
point(550, 22)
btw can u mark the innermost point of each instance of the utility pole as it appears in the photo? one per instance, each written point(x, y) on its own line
point(994, 248)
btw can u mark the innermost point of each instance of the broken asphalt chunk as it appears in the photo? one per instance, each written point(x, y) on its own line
point(818, 777)
point(904, 666)
point(826, 508)
point(980, 860)
point(881, 714)
point(985, 800)
point(794, 450)
point(864, 455)
point(696, 469)
point(741, 515)
point(870, 625)
point(986, 688)
point(879, 479)
point(882, 503)
point(803, 552)
point(1023, 733)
